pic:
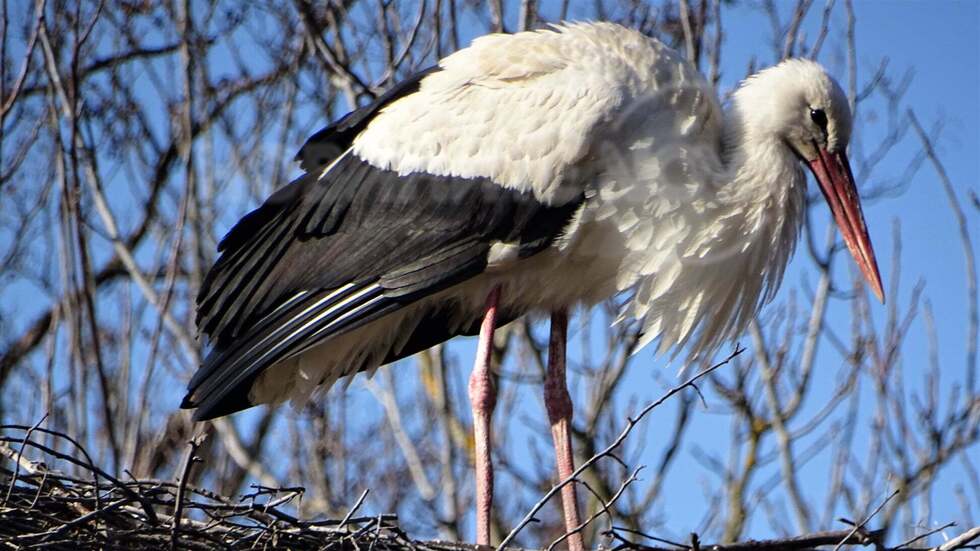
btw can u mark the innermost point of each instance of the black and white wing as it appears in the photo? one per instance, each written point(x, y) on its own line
point(403, 199)
point(344, 245)
point(326, 255)
point(330, 142)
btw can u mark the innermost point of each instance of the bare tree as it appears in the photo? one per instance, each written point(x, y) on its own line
point(132, 133)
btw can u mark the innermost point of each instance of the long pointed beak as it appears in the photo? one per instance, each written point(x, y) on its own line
point(833, 173)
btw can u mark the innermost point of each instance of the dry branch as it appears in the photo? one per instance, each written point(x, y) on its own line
point(173, 119)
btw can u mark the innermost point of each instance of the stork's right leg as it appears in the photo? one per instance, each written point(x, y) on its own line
point(483, 398)
point(559, 406)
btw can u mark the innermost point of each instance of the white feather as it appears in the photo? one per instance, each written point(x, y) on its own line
point(523, 109)
point(694, 212)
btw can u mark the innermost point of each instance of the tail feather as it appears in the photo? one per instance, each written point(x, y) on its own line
point(222, 384)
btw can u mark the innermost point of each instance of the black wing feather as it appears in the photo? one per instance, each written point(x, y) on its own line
point(316, 153)
point(333, 251)
point(401, 244)
point(329, 143)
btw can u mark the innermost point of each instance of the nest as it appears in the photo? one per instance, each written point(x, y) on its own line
point(43, 507)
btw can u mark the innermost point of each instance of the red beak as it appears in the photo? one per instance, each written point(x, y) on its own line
point(833, 173)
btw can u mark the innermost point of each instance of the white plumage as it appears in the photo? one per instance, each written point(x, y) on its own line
point(695, 212)
point(528, 173)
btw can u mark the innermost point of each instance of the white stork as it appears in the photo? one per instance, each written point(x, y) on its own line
point(531, 172)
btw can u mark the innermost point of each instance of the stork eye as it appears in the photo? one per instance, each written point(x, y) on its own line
point(819, 118)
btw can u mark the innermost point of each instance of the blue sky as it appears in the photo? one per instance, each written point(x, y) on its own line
point(939, 42)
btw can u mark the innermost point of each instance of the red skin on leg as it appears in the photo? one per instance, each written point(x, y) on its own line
point(483, 399)
point(559, 406)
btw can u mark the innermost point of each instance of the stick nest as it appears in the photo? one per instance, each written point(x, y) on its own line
point(43, 507)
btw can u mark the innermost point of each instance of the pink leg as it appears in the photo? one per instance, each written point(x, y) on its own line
point(559, 406)
point(483, 398)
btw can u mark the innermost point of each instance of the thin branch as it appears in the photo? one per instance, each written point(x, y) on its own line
point(189, 459)
point(860, 526)
point(608, 451)
point(973, 317)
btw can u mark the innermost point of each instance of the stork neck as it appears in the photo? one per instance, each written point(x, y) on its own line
point(766, 187)
point(761, 167)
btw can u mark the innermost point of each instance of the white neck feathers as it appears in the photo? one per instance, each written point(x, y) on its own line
point(705, 264)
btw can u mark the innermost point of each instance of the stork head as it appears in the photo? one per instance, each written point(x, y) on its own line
point(798, 104)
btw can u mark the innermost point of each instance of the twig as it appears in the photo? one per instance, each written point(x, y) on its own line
point(357, 505)
point(64, 517)
point(960, 541)
point(804, 542)
point(20, 455)
point(909, 542)
point(860, 526)
point(386, 397)
point(685, 17)
point(630, 423)
point(603, 511)
point(15, 90)
point(189, 461)
point(968, 253)
point(824, 29)
point(614, 529)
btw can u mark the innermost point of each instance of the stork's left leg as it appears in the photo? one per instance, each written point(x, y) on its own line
point(483, 398)
point(559, 406)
